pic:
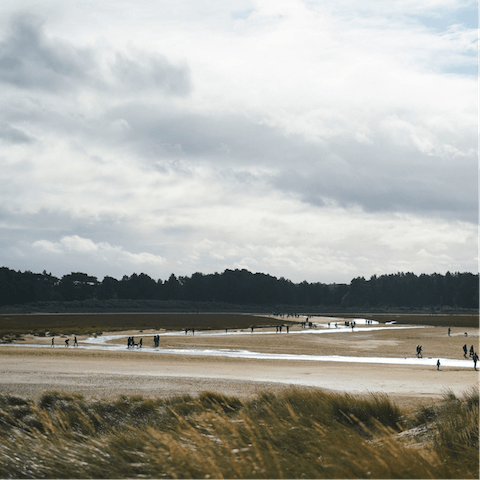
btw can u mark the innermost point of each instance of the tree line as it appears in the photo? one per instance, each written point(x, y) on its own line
point(242, 287)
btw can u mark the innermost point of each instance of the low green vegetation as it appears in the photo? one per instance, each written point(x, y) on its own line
point(298, 434)
point(93, 323)
point(449, 320)
point(13, 326)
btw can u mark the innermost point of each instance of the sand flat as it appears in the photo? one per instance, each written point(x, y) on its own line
point(30, 371)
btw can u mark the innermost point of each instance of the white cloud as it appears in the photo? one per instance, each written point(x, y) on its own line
point(78, 253)
point(319, 140)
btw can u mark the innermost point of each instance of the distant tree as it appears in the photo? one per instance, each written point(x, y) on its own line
point(172, 288)
point(77, 286)
point(108, 289)
point(242, 287)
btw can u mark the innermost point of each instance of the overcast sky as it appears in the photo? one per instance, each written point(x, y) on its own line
point(314, 140)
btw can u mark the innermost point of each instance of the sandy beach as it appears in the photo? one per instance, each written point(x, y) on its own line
point(32, 370)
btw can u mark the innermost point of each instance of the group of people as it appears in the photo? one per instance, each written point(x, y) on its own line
point(156, 340)
point(472, 354)
point(67, 341)
point(465, 350)
point(308, 324)
point(131, 343)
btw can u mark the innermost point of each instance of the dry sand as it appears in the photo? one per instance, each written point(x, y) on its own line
point(29, 372)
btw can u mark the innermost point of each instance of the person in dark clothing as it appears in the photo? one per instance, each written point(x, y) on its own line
point(475, 360)
point(465, 350)
point(438, 364)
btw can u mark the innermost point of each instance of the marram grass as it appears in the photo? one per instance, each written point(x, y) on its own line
point(298, 434)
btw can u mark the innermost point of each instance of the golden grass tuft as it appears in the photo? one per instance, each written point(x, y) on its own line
point(298, 434)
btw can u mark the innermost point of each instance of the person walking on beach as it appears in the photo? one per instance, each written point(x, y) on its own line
point(75, 342)
point(465, 350)
point(472, 351)
point(53, 341)
point(438, 364)
point(449, 330)
point(66, 342)
point(140, 343)
point(475, 360)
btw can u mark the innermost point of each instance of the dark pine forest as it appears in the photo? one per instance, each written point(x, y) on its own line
point(241, 287)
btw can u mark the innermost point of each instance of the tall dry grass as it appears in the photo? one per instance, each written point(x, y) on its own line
point(299, 434)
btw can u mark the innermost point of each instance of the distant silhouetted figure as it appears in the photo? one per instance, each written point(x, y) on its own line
point(465, 350)
point(438, 364)
point(186, 331)
point(466, 334)
point(449, 330)
point(140, 343)
point(472, 351)
point(193, 331)
point(288, 328)
point(66, 342)
point(419, 351)
point(53, 342)
point(75, 342)
point(475, 360)
point(226, 330)
point(251, 329)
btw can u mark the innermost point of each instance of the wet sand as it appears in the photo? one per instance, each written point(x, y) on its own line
point(29, 371)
